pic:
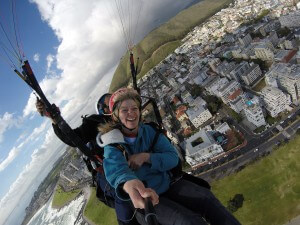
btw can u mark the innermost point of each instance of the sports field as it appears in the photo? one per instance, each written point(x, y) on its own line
point(270, 186)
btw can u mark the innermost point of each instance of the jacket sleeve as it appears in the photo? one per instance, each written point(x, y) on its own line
point(87, 131)
point(164, 156)
point(116, 169)
point(63, 137)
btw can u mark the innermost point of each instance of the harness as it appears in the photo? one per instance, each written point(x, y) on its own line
point(176, 172)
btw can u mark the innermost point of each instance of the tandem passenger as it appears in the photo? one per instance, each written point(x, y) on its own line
point(136, 173)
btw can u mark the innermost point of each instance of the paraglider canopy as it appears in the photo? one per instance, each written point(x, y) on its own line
point(127, 14)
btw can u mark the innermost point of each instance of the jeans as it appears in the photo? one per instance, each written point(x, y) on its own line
point(124, 209)
point(186, 203)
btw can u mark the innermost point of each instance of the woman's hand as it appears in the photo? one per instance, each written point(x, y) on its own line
point(137, 160)
point(137, 192)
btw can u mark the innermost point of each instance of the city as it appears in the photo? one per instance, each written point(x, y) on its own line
point(232, 83)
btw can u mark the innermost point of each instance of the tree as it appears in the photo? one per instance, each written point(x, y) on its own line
point(283, 32)
point(213, 107)
point(235, 116)
point(235, 203)
point(196, 90)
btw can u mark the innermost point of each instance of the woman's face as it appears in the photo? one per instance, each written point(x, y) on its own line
point(129, 113)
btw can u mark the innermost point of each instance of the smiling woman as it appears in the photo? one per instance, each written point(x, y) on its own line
point(137, 169)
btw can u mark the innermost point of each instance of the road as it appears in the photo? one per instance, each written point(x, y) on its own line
point(264, 142)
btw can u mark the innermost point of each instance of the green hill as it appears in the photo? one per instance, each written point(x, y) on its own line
point(163, 40)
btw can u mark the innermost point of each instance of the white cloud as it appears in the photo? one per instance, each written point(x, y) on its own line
point(89, 50)
point(14, 152)
point(90, 45)
point(11, 156)
point(50, 58)
point(28, 180)
point(36, 57)
point(6, 122)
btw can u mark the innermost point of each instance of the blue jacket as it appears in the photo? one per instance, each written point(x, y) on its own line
point(155, 175)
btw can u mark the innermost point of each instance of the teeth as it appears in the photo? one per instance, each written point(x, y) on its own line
point(131, 119)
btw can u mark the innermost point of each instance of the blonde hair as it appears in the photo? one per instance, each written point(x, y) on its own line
point(117, 98)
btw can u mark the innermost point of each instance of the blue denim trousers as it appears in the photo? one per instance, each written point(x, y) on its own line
point(124, 209)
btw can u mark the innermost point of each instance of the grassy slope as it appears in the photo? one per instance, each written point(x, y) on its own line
point(98, 213)
point(271, 188)
point(174, 30)
point(61, 198)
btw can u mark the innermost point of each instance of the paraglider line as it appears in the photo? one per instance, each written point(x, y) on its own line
point(137, 22)
point(8, 57)
point(19, 58)
point(17, 34)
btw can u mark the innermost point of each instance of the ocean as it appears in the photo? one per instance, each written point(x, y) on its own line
point(68, 215)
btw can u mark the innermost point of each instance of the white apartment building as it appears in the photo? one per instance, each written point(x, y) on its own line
point(229, 89)
point(223, 128)
point(251, 74)
point(246, 40)
point(198, 101)
point(215, 84)
point(254, 113)
point(198, 115)
point(273, 38)
point(200, 76)
point(290, 44)
point(186, 96)
point(239, 70)
point(238, 104)
point(275, 100)
point(291, 20)
point(264, 51)
point(200, 147)
point(287, 78)
point(225, 68)
point(213, 63)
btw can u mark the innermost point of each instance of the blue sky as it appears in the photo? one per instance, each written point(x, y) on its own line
point(73, 47)
point(14, 93)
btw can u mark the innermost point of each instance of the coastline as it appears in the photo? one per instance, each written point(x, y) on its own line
point(65, 203)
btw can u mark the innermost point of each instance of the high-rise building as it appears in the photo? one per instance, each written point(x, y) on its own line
point(229, 89)
point(251, 74)
point(290, 20)
point(245, 40)
point(275, 100)
point(287, 78)
point(198, 115)
point(239, 70)
point(254, 114)
point(264, 51)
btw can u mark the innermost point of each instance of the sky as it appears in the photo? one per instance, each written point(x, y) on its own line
point(73, 47)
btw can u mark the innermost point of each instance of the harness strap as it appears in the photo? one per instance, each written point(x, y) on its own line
point(121, 148)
